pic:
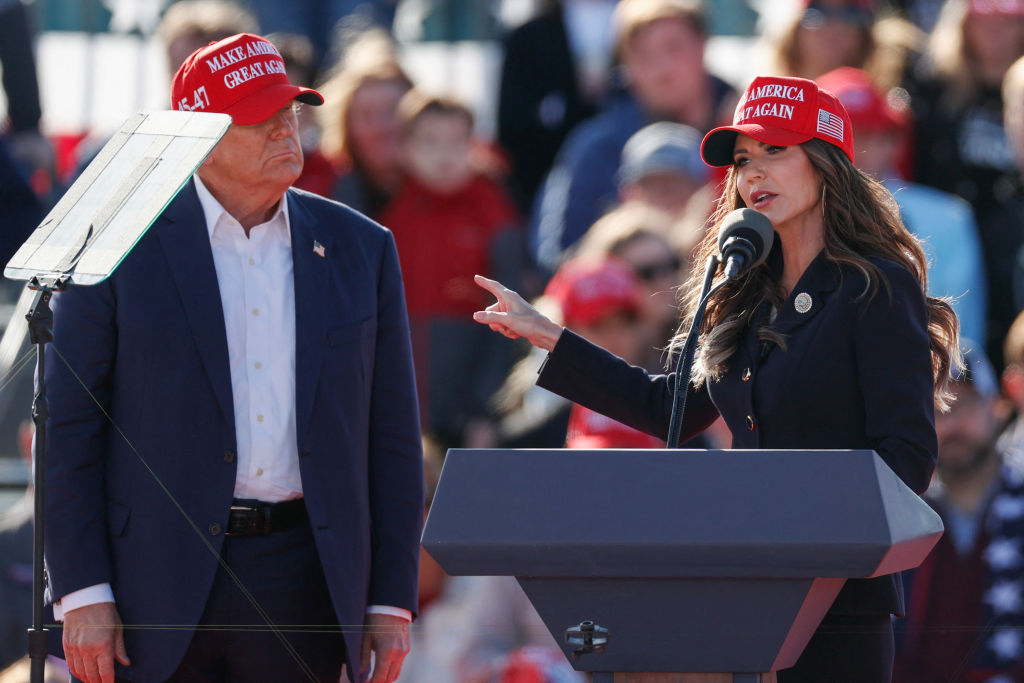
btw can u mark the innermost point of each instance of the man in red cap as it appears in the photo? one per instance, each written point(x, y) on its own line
point(248, 477)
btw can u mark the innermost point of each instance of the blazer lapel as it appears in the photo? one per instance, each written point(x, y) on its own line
point(311, 251)
point(186, 243)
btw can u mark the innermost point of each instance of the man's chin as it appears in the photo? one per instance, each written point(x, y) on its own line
point(285, 170)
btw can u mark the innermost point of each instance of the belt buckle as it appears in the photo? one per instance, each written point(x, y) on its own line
point(252, 521)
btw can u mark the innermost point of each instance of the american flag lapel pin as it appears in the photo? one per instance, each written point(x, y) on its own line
point(318, 249)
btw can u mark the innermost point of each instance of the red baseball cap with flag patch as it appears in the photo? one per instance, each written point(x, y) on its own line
point(781, 111)
point(242, 75)
point(588, 289)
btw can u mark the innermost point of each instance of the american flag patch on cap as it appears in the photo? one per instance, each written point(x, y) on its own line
point(830, 124)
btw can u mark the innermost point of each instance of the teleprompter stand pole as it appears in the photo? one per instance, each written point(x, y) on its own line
point(40, 319)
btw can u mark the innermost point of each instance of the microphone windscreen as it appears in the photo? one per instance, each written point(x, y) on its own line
point(751, 225)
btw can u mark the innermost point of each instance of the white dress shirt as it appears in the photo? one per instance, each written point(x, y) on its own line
point(257, 291)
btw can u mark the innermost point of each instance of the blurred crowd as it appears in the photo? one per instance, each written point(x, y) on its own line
point(589, 199)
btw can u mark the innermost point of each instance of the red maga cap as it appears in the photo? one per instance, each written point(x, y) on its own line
point(868, 108)
point(243, 76)
point(781, 111)
point(590, 289)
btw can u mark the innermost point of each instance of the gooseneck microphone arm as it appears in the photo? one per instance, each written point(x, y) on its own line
point(685, 364)
point(744, 240)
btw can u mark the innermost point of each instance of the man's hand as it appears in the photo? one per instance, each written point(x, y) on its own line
point(93, 637)
point(388, 637)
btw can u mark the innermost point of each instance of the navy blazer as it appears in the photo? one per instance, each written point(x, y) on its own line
point(855, 374)
point(149, 343)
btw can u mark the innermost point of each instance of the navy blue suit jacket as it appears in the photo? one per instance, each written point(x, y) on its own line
point(149, 343)
point(855, 374)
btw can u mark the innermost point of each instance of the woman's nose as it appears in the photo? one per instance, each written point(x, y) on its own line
point(755, 169)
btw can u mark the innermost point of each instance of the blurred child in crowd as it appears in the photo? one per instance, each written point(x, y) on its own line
point(448, 220)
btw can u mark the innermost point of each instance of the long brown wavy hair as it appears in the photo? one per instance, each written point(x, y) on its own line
point(862, 220)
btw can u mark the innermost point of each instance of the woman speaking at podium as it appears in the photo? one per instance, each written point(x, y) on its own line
point(830, 343)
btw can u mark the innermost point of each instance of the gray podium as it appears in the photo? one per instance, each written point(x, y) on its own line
point(694, 561)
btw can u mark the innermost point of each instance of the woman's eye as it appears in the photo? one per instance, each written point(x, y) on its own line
point(774, 149)
point(741, 161)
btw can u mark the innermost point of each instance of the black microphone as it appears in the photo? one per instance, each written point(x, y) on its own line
point(744, 241)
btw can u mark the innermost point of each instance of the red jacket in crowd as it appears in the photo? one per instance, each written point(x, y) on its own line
point(444, 240)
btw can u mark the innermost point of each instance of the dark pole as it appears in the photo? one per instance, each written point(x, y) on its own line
point(40, 319)
point(685, 364)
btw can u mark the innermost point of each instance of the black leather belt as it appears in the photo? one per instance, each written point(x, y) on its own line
point(255, 518)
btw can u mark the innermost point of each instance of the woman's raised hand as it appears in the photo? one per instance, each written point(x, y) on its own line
point(513, 317)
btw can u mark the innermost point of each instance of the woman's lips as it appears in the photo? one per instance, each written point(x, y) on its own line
point(763, 199)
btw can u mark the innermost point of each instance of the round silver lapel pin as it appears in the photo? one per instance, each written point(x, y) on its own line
point(803, 302)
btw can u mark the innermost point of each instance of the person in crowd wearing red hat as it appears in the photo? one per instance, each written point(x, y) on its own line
point(643, 237)
point(830, 343)
point(235, 462)
point(943, 222)
point(600, 301)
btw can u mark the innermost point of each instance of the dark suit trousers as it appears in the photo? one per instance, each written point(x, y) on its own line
point(283, 575)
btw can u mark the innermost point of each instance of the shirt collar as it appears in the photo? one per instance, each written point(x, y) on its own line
point(213, 210)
